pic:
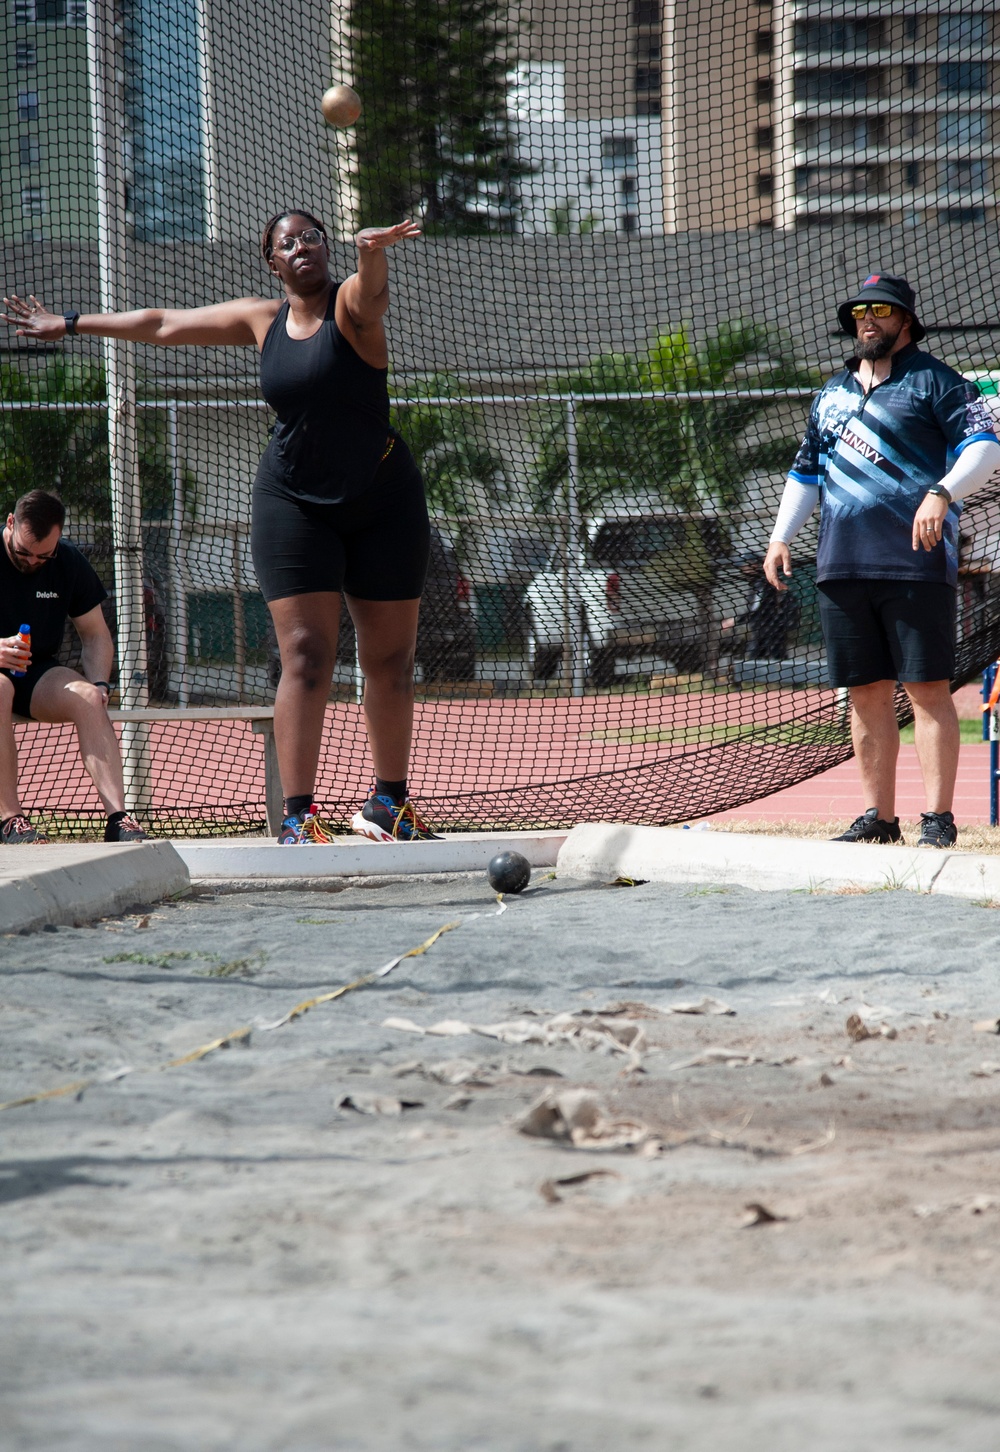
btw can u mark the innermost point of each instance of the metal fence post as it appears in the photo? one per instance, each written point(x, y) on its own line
point(573, 645)
point(991, 733)
point(177, 565)
point(107, 110)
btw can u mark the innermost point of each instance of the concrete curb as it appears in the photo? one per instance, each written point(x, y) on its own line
point(64, 884)
point(254, 861)
point(604, 851)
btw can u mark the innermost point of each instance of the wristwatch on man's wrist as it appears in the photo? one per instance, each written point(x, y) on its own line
point(939, 489)
point(71, 320)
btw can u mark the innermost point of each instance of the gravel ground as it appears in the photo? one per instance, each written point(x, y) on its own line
point(222, 1254)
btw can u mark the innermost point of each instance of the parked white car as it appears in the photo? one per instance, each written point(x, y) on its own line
point(646, 589)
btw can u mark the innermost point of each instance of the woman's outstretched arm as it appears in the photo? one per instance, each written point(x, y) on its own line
point(242, 321)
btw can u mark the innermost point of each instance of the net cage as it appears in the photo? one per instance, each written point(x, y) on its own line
point(638, 220)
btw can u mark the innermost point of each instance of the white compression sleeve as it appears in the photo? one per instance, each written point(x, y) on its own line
point(974, 467)
point(797, 503)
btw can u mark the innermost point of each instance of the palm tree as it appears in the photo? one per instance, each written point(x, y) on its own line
point(446, 441)
point(66, 449)
point(52, 448)
point(687, 454)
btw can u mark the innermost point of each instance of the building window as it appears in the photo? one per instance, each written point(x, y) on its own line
point(765, 184)
point(765, 42)
point(965, 32)
point(164, 120)
point(911, 77)
point(25, 55)
point(27, 106)
point(838, 181)
point(840, 133)
point(628, 222)
point(34, 201)
point(648, 105)
point(911, 173)
point(648, 48)
point(29, 152)
point(617, 152)
point(965, 176)
point(50, 12)
point(961, 128)
point(961, 214)
point(627, 186)
point(839, 85)
point(645, 12)
point(647, 78)
point(764, 138)
point(765, 86)
point(812, 37)
point(911, 28)
point(963, 77)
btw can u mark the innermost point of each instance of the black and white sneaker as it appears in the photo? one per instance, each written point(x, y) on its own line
point(937, 829)
point(870, 827)
point(125, 829)
point(17, 831)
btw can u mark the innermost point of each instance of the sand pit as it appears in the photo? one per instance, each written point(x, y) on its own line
point(332, 1235)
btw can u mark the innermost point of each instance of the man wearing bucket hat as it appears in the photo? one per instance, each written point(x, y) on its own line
point(895, 441)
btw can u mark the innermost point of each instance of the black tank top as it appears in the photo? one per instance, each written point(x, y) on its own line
point(332, 407)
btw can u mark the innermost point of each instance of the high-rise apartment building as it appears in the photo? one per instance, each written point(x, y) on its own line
point(811, 112)
point(194, 79)
point(883, 111)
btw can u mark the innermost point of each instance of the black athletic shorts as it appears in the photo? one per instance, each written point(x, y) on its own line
point(375, 547)
point(25, 685)
point(888, 630)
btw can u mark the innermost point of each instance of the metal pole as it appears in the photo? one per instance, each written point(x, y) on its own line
point(239, 619)
point(177, 566)
point(107, 110)
point(573, 662)
point(991, 733)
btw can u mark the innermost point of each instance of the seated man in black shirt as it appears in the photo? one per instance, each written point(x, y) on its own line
point(43, 579)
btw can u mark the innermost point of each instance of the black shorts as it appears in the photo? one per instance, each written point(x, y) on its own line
point(888, 630)
point(375, 547)
point(25, 685)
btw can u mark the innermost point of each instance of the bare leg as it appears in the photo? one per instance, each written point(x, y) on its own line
point(937, 736)
point(387, 639)
point(62, 695)
point(307, 627)
point(875, 735)
point(10, 803)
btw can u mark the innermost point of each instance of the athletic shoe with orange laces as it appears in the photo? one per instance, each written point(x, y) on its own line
point(304, 829)
point(385, 820)
point(17, 831)
point(125, 829)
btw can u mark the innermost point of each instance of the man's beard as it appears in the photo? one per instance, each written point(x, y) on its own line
point(879, 347)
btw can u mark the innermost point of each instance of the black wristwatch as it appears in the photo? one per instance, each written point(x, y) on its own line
point(939, 489)
point(71, 320)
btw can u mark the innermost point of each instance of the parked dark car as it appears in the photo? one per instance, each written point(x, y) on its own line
point(446, 630)
point(154, 605)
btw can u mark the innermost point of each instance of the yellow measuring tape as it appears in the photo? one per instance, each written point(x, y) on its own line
point(240, 1035)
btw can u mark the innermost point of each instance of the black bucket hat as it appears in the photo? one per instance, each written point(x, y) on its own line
point(880, 287)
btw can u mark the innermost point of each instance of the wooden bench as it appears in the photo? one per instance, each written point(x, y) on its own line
point(261, 720)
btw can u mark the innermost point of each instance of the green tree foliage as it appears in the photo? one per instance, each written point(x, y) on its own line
point(66, 449)
point(448, 447)
point(44, 447)
point(433, 140)
point(687, 453)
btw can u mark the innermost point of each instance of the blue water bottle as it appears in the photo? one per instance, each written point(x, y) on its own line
point(25, 634)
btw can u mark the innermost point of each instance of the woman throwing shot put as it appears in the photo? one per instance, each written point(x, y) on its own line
point(338, 502)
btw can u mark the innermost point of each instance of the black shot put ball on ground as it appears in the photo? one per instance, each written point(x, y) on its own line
point(509, 872)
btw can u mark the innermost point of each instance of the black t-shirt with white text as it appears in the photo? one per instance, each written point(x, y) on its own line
point(64, 586)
